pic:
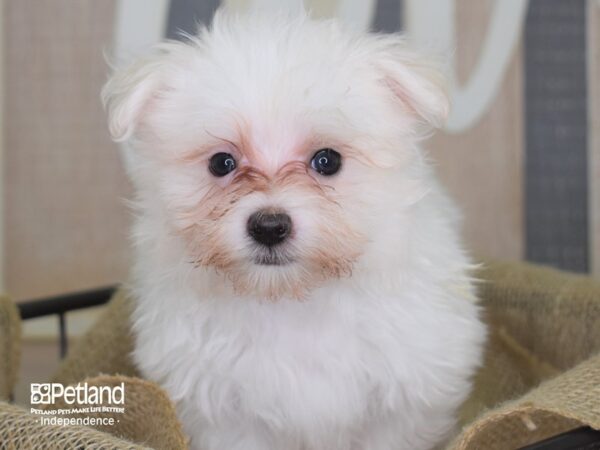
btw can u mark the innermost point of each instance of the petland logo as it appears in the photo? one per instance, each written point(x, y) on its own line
point(49, 393)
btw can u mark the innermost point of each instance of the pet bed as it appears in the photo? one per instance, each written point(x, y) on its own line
point(540, 376)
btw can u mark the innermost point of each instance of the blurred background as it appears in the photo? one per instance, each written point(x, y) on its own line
point(520, 153)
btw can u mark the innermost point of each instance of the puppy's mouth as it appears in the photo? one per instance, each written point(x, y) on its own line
point(270, 257)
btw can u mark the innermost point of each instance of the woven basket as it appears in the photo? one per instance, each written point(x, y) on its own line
point(541, 373)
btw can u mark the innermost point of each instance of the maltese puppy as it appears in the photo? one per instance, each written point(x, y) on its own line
point(299, 281)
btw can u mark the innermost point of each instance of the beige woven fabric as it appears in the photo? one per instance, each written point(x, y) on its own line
point(20, 430)
point(10, 346)
point(553, 314)
point(567, 401)
point(149, 416)
point(542, 323)
point(508, 371)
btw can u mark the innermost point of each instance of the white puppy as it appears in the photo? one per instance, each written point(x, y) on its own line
point(299, 282)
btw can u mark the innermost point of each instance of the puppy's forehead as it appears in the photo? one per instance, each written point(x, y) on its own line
point(273, 125)
point(277, 76)
point(269, 143)
point(282, 116)
point(273, 91)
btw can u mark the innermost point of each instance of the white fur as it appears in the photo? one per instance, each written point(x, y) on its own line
point(379, 358)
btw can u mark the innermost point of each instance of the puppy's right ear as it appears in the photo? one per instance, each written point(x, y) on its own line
point(128, 93)
point(415, 81)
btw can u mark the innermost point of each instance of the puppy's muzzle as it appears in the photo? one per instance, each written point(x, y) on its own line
point(268, 228)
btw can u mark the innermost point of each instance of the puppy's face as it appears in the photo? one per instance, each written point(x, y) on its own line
point(276, 149)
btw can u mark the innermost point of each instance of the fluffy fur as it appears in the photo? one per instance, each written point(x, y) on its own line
point(367, 338)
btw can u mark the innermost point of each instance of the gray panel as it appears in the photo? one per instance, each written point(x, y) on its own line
point(556, 185)
point(185, 15)
point(388, 16)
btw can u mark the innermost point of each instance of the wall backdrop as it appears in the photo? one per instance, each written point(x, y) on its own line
point(520, 153)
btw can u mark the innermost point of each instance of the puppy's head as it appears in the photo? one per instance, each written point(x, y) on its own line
point(279, 150)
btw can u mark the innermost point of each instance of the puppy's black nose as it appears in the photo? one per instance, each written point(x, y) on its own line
point(269, 228)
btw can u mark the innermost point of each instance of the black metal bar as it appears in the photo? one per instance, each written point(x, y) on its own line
point(61, 304)
point(577, 439)
point(62, 325)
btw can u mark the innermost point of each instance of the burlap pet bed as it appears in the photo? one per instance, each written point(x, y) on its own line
point(541, 373)
point(10, 349)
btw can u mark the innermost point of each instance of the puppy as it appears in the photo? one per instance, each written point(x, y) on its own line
point(299, 282)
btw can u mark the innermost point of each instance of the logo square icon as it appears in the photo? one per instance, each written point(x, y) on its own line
point(40, 394)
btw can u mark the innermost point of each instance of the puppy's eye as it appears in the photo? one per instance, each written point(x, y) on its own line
point(326, 161)
point(221, 164)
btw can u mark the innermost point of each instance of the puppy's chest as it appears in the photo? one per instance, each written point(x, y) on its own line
point(290, 364)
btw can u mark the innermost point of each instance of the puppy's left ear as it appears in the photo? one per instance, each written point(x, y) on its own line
point(415, 81)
